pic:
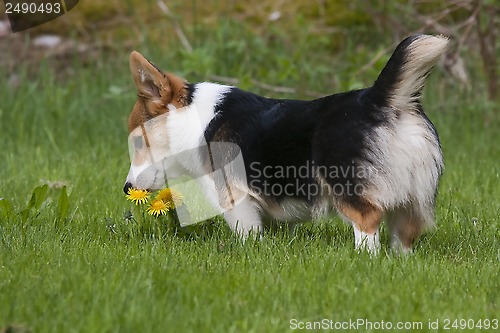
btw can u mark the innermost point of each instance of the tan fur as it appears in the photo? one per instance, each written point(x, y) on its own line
point(405, 227)
point(156, 90)
point(366, 217)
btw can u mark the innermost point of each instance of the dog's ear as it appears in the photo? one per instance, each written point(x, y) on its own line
point(151, 83)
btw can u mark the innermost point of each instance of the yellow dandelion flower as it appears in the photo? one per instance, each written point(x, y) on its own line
point(138, 196)
point(158, 207)
point(171, 196)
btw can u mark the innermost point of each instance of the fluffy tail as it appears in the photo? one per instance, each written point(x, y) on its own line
point(402, 79)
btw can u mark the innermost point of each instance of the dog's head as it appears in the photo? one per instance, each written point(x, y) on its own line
point(159, 94)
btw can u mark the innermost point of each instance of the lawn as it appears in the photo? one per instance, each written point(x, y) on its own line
point(71, 260)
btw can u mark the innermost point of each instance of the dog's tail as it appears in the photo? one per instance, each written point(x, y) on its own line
point(402, 79)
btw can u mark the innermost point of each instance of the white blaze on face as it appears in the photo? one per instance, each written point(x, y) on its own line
point(148, 147)
point(155, 146)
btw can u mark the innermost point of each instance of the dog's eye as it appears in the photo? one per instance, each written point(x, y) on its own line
point(138, 142)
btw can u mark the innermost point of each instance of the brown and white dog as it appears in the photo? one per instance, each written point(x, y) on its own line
point(366, 154)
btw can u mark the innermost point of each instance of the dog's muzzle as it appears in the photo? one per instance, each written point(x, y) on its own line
point(127, 187)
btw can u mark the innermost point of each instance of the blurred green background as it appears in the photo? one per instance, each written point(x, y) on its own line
point(313, 47)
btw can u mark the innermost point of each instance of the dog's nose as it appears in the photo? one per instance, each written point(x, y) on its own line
point(127, 187)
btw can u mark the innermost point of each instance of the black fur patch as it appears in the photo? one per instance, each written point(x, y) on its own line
point(310, 136)
point(190, 88)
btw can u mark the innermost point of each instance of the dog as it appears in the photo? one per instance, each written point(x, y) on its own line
point(367, 154)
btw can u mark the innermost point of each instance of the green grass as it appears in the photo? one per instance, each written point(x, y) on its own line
point(95, 271)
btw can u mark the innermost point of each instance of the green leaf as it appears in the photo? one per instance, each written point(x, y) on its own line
point(5, 208)
point(63, 204)
point(38, 196)
point(25, 214)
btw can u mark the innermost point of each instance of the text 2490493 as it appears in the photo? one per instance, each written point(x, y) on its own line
point(33, 8)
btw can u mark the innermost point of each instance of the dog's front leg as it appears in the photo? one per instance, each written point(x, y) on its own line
point(245, 218)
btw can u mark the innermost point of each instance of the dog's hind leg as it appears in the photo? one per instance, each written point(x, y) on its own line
point(365, 219)
point(405, 227)
point(245, 218)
